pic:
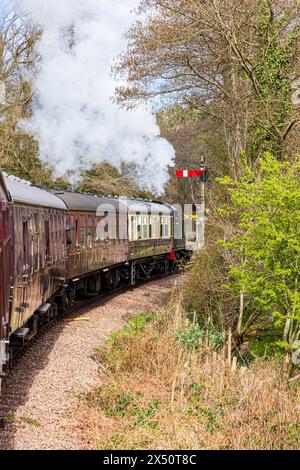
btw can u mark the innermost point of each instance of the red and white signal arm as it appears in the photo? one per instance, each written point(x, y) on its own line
point(189, 173)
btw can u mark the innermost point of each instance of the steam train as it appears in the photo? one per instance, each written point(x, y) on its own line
point(51, 252)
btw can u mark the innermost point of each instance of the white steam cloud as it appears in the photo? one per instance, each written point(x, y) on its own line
point(74, 118)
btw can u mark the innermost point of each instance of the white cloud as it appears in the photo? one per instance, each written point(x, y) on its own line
point(74, 118)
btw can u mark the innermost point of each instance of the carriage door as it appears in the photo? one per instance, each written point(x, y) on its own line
point(4, 288)
point(2, 293)
point(5, 265)
point(47, 241)
point(5, 273)
point(46, 275)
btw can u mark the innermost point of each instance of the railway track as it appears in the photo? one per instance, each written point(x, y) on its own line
point(77, 309)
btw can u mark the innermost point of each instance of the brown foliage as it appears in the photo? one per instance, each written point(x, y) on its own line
point(104, 179)
point(156, 394)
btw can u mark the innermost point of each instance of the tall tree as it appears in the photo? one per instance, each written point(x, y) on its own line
point(18, 149)
point(234, 60)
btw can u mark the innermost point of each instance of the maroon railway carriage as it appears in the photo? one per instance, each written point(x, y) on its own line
point(37, 227)
point(134, 240)
point(90, 254)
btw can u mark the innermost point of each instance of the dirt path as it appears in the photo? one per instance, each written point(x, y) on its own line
point(40, 395)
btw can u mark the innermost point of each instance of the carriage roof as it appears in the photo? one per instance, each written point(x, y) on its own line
point(88, 203)
point(24, 192)
point(146, 207)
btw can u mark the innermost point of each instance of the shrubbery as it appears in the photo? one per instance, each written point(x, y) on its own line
point(171, 384)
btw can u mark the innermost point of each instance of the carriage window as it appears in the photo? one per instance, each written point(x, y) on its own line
point(138, 227)
point(54, 236)
point(132, 228)
point(59, 237)
point(77, 232)
point(155, 227)
point(165, 227)
point(25, 247)
point(90, 237)
point(106, 227)
point(68, 235)
point(145, 227)
point(151, 227)
point(82, 236)
point(35, 244)
point(57, 231)
point(97, 221)
point(94, 235)
point(162, 230)
point(157, 224)
point(142, 228)
point(47, 241)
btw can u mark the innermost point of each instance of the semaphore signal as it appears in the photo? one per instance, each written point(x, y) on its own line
point(189, 173)
point(193, 173)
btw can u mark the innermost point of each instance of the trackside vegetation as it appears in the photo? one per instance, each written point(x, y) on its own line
point(265, 245)
point(170, 383)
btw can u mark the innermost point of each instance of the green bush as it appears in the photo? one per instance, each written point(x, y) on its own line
point(195, 336)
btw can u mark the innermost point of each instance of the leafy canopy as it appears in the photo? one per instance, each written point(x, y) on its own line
point(266, 205)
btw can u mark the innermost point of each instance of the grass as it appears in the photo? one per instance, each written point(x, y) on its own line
point(31, 421)
point(135, 326)
point(24, 419)
point(169, 385)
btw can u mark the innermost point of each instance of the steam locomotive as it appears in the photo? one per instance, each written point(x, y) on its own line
point(51, 252)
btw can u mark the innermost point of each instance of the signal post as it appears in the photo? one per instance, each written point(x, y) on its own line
point(200, 207)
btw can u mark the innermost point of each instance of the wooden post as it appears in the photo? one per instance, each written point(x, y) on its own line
point(234, 365)
point(201, 222)
point(240, 321)
point(229, 347)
